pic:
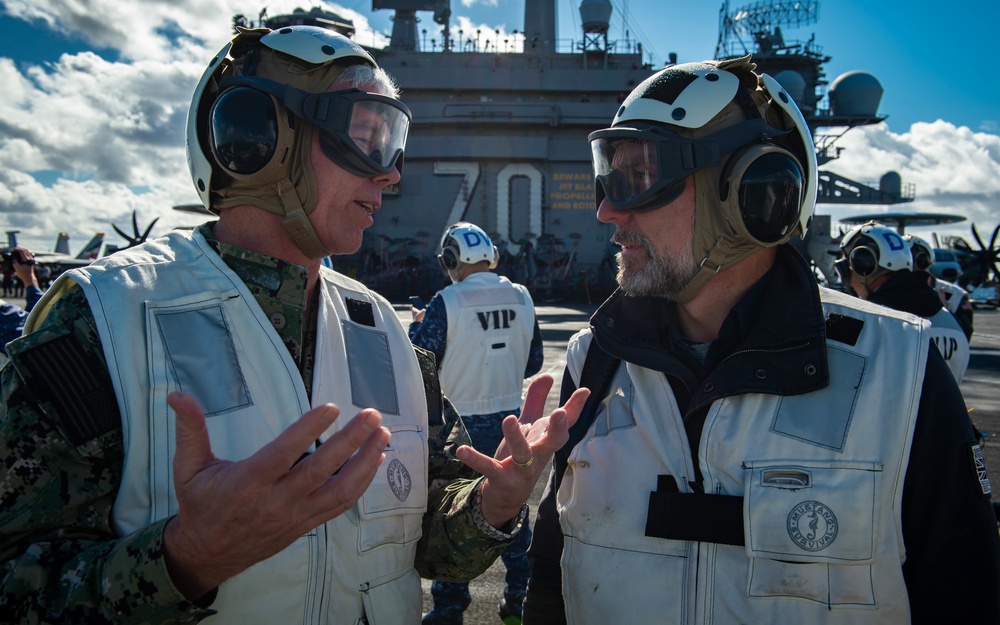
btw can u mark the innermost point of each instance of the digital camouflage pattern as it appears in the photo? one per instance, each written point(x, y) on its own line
point(57, 491)
point(62, 454)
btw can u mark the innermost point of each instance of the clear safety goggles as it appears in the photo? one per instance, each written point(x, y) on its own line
point(640, 169)
point(363, 132)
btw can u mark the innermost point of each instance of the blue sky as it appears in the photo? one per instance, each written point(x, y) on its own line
point(96, 91)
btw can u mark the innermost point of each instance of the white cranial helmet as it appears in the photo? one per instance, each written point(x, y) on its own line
point(466, 243)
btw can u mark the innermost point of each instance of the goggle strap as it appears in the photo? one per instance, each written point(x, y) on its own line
point(742, 134)
point(695, 156)
point(311, 107)
point(318, 108)
point(272, 87)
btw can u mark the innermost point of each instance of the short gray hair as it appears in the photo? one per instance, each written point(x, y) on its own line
point(361, 75)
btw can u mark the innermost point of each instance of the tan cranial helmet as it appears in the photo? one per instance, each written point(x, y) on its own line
point(738, 133)
point(251, 122)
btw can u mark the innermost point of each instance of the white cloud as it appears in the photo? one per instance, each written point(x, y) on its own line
point(85, 140)
point(105, 136)
point(157, 30)
point(953, 169)
point(138, 29)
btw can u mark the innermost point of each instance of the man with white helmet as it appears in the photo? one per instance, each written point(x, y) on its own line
point(158, 468)
point(954, 297)
point(483, 331)
point(878, 265)
point(756, 449)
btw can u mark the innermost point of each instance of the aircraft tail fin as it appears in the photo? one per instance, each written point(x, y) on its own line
point(92, 250)
point(62, 244)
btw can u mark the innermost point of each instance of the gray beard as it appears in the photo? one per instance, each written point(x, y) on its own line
point(662, 276)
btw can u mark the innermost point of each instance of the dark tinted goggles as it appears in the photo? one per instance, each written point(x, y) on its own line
point(363, 132)
point(642, 168)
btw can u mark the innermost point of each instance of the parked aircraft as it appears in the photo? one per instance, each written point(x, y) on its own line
point(61, 258)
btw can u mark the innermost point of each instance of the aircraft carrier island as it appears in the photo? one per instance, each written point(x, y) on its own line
point(499, 137)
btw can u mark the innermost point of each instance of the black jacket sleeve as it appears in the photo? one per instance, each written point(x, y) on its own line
point(952, 567)
point(543, 604)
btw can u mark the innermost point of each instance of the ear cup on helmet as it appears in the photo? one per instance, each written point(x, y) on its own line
point(762, 185)
point(922, 260)
point(864, 260)
point(449, 258)
point(248, 132)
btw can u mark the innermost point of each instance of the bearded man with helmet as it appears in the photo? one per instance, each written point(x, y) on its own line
point(170, 418)
point(756, 448)
point(878, 264)
point(483, 331)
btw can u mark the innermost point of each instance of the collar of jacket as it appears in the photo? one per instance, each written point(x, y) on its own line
point(908, 291)
point(782, 352)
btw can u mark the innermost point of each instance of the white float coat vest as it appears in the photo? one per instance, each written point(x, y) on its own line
point(172, 316)
point(491, 321)
point(951, 341)
point(821, 475)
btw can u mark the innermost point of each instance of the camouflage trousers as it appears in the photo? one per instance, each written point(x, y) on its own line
point(451, 598)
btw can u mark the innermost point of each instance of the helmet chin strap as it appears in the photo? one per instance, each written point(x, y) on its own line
point(722, 255)
point(297, 223)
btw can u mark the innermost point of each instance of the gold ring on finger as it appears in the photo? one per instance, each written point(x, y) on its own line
point(524, 465)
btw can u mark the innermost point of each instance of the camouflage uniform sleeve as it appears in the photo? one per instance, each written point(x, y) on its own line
point(61, 452)
point(452, 548)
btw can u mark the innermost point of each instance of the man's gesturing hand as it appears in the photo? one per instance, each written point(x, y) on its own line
point(234, 514)
point(524, 454)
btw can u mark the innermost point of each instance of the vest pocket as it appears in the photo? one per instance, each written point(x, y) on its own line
point(831, 584)
point(611, 585)
point(368, 359)
point(810, 530)
point(250, 598)
point(392, 508)
point(187, 329)
point(393, 598)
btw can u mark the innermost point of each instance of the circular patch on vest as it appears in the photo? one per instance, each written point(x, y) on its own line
point(812, 526)
point(399, 479)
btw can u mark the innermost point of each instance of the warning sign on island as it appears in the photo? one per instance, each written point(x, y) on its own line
point(572, 190)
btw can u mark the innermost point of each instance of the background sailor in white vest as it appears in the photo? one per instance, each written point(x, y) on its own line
point(483, 330)
point(876, 262)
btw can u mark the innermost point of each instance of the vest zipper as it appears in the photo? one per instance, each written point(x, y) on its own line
point(763, 351)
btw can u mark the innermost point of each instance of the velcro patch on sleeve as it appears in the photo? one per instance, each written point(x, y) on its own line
point(59, 373)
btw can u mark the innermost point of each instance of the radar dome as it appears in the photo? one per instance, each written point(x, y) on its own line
point(891, 182)
point(595, 15)
point(855, 94)
point(794, 84)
